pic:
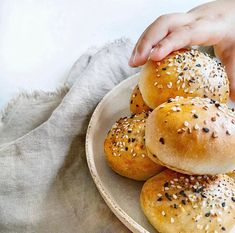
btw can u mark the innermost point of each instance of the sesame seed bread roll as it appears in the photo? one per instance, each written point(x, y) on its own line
point(175, 203)
point(125, 149)
point(183, 73)
point(192, 136)
point(231, 174)
point(137, 104)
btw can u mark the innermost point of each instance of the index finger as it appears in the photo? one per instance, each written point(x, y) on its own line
point(155, 33)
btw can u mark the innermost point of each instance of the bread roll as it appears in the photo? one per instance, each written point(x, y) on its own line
point(125, 149)
point(183, 73)
point(192, 136)
point(232, 174)
point(137, 104)
point(176, 203)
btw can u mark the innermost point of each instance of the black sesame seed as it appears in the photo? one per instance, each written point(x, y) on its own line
point(233, 199)
point(175, 206)
point(223, 228)
point(207, 214)
point(129, 131)
point(206, 130)
point(205, 96)
point(192, 54)
point(183, 202)
point(192, 80)
point(164, 68)
point(166, 184)
point(203, 195)
point(126, 148)
point(195, 115)
point(223, 204)
point(198, 65)
point(131, 101)
point(154, 156)
point(228, 132)
point(198, 190)
point(137, 105)
point(162, 141)
point(168, 196)
point(185, 68)
point(159, 199)
point(217, 105)
point(182, 193)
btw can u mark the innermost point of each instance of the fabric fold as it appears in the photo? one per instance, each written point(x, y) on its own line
point(45, 185)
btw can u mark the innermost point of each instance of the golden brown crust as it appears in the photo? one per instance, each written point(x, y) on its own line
point(137, 104)
point(231, 174)
point(183, 73)
point(125, 149)
point(173, 202)
point(192, 136)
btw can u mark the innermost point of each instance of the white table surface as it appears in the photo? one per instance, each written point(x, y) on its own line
point(40, 40)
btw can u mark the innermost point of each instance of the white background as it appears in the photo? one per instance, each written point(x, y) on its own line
point(41, 39)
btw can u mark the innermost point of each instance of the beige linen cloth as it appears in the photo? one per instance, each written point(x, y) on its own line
point(45, 184)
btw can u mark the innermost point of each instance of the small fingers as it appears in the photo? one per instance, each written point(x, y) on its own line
point(155, 33)
point(196, 33)
point(228, 59)
point(174, 41)
point(232, 90)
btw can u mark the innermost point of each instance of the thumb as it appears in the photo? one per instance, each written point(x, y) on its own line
point(232, 89)
point(230, 69)
point(228, 59)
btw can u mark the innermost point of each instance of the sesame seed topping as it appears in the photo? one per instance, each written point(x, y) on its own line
point(206, 130)
point(215, 135)
point(213, 118)
point(210, 195)
point(228, 132)
point(162, 141)
point(169, 85)
point(186, 124)
point(196, 127)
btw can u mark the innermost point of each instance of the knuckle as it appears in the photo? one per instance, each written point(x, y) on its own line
point(144, 42)
point(163, 17)
point(144, 38)
point(140, 47)
point(170, 17)
point(188, 27)
point(167, 42)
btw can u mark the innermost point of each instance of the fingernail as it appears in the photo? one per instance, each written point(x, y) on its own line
point(153, 51)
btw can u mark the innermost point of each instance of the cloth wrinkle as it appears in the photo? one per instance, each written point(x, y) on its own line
point(45, 184)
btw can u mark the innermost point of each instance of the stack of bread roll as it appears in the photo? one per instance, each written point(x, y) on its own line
point(181, 139)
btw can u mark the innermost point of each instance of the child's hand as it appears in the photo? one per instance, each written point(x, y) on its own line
point(209, 24)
